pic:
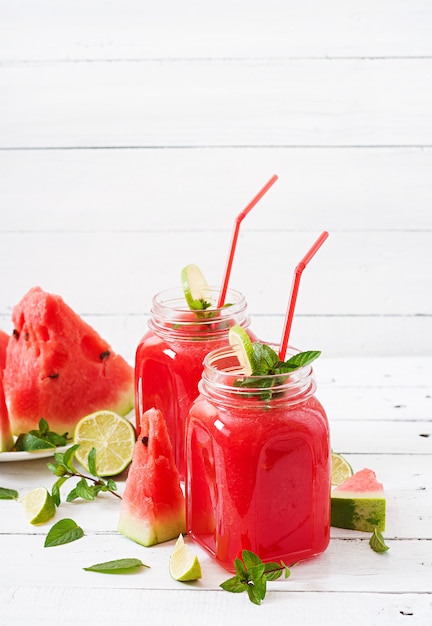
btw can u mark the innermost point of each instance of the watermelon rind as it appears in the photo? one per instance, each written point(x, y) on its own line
point(358, 513)
point(6, 438)
point(359, 503)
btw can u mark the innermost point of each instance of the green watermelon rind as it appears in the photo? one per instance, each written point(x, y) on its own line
point(363, 512)
point(148, 533)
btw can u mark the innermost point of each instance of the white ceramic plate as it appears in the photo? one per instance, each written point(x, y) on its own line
point(30, 456)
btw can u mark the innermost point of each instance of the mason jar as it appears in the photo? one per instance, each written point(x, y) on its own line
point(169, 358)
point(258, 464)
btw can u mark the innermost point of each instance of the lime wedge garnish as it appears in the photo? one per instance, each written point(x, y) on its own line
point(341, 469)
point(242, 345)
point(38, 506)
point(195, 287)
point(184, 564)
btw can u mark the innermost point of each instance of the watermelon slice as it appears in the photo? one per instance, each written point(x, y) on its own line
point(6, 439)
point(359, 503)
point(153, 504)
point(59, 368)
point(4, 338)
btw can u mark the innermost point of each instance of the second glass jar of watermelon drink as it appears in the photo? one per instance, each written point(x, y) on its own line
point(258, 464)
point(169, 358)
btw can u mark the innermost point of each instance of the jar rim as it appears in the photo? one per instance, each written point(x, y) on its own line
point(225, 382)
point(173, 299)
point(171, 316)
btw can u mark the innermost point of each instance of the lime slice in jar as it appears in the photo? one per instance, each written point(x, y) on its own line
point(195, 287)
point(242, 345)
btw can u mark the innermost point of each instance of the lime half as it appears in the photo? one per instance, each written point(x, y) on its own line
point(341, 469)
point(242, 345)
point(113, 438)
point(195, 286)
point(184, 564)
point(38, 506)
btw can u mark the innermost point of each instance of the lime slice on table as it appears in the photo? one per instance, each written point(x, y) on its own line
point(195, 287)
point(184, 564)
point(38, 506)
point(341, 469)
point(242, 345)
point(113, 438)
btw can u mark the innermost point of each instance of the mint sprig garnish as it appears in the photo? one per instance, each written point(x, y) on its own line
point(64, 468)
point(41, 438)
point(271, 371)
point(252, 576)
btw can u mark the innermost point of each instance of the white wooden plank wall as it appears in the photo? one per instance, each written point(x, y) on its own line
point(132, 133)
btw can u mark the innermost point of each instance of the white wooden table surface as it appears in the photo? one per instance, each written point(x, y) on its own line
point(131, 135)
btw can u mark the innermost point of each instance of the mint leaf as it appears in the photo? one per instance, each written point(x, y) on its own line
point(119, 566)
point(40, 439)
point(30, 441)
point(8, 494)
point(91, 459)
point(84, 490)
point(377, 542)
point(234, 585)
point(250, 558)
point(64, 531)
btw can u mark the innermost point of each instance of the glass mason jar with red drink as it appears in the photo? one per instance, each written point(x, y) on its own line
point(169, 358)
point(258, 462)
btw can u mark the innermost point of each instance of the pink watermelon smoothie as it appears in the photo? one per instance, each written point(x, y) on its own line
point(258, 478)
point(169, 359)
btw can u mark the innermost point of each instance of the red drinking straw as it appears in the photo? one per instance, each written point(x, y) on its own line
point(234, 237)
point(294, 291)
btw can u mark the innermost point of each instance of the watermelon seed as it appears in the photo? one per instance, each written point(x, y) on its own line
point(145, 441)
point(104, 355)
point(15, 333)
point(55, 375)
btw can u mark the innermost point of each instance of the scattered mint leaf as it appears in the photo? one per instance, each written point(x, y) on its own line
point(64, 531)
point(8, 494)
point(252, 575)
point(119, 566)
point(377, 542)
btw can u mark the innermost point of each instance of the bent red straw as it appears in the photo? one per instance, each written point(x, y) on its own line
point(294, 291)
point(234, 237)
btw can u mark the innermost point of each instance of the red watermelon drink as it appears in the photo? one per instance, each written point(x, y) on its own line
point(169, 358)
point(258, 463)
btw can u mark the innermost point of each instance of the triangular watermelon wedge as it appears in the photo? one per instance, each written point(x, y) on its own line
point(153, 505)
point(6, 439)
point(359, 503)
point(59, 368)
